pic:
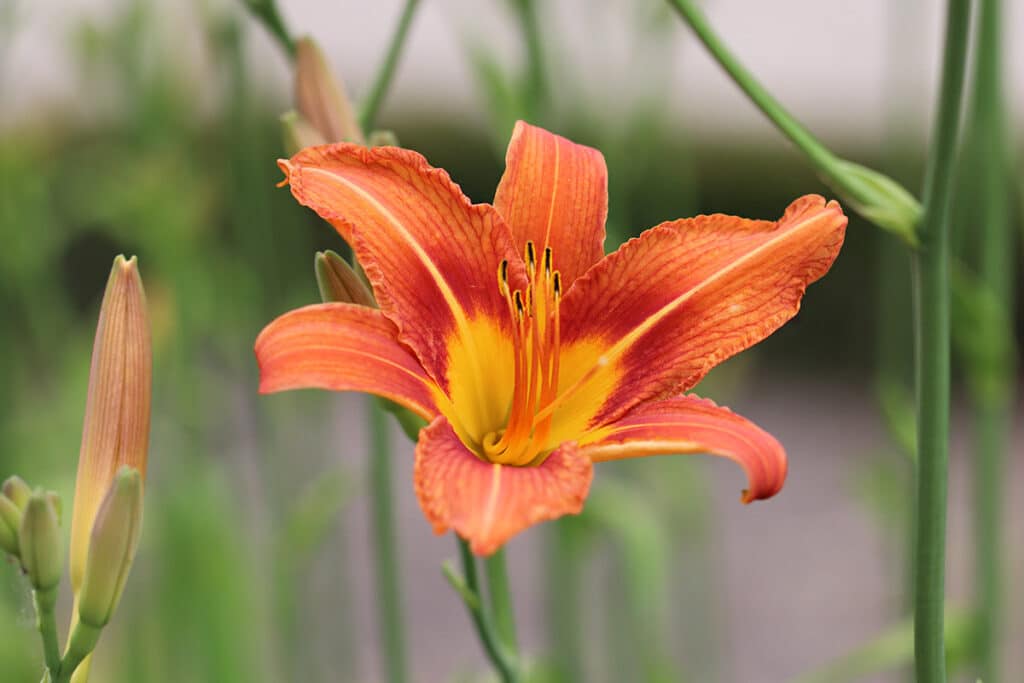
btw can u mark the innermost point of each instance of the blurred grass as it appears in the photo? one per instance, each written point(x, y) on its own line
point(188, 186)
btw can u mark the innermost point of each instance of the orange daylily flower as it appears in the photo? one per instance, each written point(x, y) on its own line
point(530, 353)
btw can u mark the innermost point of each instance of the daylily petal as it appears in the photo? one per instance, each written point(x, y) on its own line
point(689, 424)
point(555, 193)
point(343, 347)
point(431, 255)
point(488, 503)
point(653, 318)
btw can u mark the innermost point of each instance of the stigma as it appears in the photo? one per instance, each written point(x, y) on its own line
point(536, 345)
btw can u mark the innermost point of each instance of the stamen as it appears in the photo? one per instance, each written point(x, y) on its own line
point(536, 346)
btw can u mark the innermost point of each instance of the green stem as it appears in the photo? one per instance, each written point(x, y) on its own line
point(503, 660)
point(877, 197)
point(46, 622)
point(501, 599)
point(932, 280)
point(82, 642)
point(992, 394)
point(266, 11)
point(565, 567)
point(385, 547)
point(371, 105)
point(785, 122)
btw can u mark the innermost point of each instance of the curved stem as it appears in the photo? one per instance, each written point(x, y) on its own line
point(371, 105)
point(771, 107)
point(878, 198)
point(385, 547)
point(992, 388)
point(503, 660)
point(933, 357)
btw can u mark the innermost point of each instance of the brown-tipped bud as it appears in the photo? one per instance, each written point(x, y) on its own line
point(112, 546)
point(40, 543)
point(339, 282)
point(116, 430)
point(17, 491)
point(10, 523)
point(298, 133)
point(321, 98)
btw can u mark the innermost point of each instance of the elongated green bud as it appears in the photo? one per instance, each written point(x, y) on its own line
point(339, 282)
point(17, 491)
point(10, 523)
point(112, 546)
point(40, 542)
point(878, 198)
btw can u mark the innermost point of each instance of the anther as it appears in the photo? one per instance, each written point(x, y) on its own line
point(531, 258)
point(518, 297)
point(557, 284)
point(503, 277)
point(547, 261)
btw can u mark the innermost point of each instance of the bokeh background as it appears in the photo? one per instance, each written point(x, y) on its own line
point(152, 128)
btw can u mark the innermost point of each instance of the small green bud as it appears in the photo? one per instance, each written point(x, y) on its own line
point(10, 522)
point(878, 198)
point(17, 491)
point(298, 133)
point(339, 282)
point(383, 138)
point(112, 547)
point(40, 542)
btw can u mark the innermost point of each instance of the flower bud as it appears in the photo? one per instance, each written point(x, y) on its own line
point(298, 133)
point(320, 98)
point(40, 542)
point(878, 198)
point(339, 282)
point(117, 410)
point(383, 138)
point(112, 546)
point(10, 523)
point(17, 491)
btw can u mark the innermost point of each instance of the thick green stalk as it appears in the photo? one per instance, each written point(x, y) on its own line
point(564, 599)
point(385, 550)
point(501, 657)
point(386, 73)
point(992, 370)
point(932, 338)
point(501, 599)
